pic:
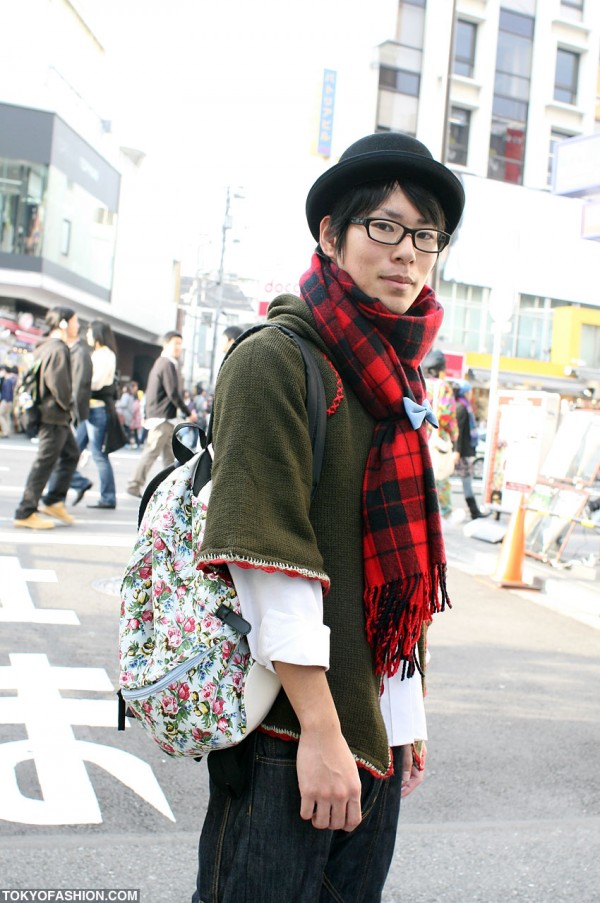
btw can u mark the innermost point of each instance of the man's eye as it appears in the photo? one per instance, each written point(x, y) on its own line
point(382, 225)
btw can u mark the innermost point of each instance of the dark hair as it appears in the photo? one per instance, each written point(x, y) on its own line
point(103, 334)
point(362, 200)
point(56, 315)
point(434, 363)
point(233, 332)
point(173, 334)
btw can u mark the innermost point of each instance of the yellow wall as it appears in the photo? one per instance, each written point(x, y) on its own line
point(566, 333)
point(566, 341)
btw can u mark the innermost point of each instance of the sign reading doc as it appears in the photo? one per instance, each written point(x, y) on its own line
point(326, 115)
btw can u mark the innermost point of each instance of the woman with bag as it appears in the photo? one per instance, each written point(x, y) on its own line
point(104, 429)
point(441, 441)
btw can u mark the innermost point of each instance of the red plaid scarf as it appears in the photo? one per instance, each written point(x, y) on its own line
point(378, 354)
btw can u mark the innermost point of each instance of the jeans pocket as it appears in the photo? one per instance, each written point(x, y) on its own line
point(274, 751)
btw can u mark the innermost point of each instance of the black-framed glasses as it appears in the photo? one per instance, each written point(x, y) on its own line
point(389, 232)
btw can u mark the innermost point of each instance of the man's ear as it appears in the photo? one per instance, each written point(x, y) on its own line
point(325, 241)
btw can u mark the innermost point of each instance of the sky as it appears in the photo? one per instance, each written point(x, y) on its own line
point(224, 94)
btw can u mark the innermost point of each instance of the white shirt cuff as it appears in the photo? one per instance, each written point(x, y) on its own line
point(286, 616)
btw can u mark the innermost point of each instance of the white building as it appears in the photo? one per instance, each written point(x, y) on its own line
point(76, 227)
point(524, 74)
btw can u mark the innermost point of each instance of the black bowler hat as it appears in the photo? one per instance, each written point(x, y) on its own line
point(383, 157)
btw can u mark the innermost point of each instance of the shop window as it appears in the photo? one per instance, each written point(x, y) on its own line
point(458, 146)
point(411, 24)
point(507, 150)
point(22, 192)
point(399, 80)
point(590, 345)
point(464, 48)
point(566, 76)
point(572, 9)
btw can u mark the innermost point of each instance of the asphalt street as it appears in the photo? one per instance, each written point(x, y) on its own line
point(509, 810)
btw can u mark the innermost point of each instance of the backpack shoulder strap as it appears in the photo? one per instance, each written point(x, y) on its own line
point(316, 406)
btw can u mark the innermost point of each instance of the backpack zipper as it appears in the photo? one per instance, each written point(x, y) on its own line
point(163, 682)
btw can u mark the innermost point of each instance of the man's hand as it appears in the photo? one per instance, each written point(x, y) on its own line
point(328, 778)
point(411, 775)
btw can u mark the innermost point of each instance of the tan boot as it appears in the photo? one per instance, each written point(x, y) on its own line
point(59, 511)
point(35, 521)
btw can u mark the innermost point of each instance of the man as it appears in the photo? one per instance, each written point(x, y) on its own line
point(229, 336)
point(339, 590)
point(163, 400)
point(8, 380)
point(81, 375)
point(57, 446)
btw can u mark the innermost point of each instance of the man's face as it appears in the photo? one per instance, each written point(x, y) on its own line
point(395, 274)
point(72, 329)
point(174, 347)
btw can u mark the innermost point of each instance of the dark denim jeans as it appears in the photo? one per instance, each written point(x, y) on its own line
point(96, 429)
point(257, 849)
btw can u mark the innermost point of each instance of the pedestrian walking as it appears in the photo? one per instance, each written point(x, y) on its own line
point(466, 445)
point(57, 446)
point(441, 396)
point(81, 374)
point(7, 395)
point(163, 399)
point(102, 419)
point(338, 590)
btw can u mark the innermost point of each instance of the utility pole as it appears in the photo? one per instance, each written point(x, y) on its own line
point(226, 225)
point(446, 125)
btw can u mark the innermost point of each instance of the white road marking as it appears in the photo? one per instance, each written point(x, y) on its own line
point(68, 795)
point(16, 604)
point(67, 537)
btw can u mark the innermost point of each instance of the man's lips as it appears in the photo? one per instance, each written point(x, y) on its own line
point(399, 280)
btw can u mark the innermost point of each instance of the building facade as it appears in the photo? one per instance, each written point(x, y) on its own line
point(491, 86)
point(71, 226)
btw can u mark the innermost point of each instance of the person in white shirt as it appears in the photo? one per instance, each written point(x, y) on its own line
point(102, 408)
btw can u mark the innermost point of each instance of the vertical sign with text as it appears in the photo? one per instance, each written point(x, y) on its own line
point(326, 114)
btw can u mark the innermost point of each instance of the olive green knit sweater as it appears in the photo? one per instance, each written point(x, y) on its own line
point(261, 514)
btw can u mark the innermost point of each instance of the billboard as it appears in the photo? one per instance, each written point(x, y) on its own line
point(576, 166)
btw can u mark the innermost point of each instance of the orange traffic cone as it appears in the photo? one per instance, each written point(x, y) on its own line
point(509, 570)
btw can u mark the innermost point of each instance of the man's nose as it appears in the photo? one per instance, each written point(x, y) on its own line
point(405, 250)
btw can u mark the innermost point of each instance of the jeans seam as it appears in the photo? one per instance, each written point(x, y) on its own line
point(327, 883)
point(382, 799)
point(219, 852)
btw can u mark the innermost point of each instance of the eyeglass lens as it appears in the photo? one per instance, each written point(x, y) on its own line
point(391, 233)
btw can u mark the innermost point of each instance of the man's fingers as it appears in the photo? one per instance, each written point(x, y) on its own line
point(336, 817)
point(353, 815)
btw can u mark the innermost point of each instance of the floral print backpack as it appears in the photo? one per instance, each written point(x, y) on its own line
point(186, 672)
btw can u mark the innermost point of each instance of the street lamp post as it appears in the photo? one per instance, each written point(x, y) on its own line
point(226, 225)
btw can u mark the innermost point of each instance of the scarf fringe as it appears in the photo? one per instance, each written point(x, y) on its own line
point(396, 613)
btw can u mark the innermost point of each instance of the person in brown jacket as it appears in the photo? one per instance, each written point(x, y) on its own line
point(57, 446)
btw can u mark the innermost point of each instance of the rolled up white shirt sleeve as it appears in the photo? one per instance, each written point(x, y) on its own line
point(286, 617)
point(403, 709)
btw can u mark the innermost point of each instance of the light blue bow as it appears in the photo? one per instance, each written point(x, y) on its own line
point(417, 413)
